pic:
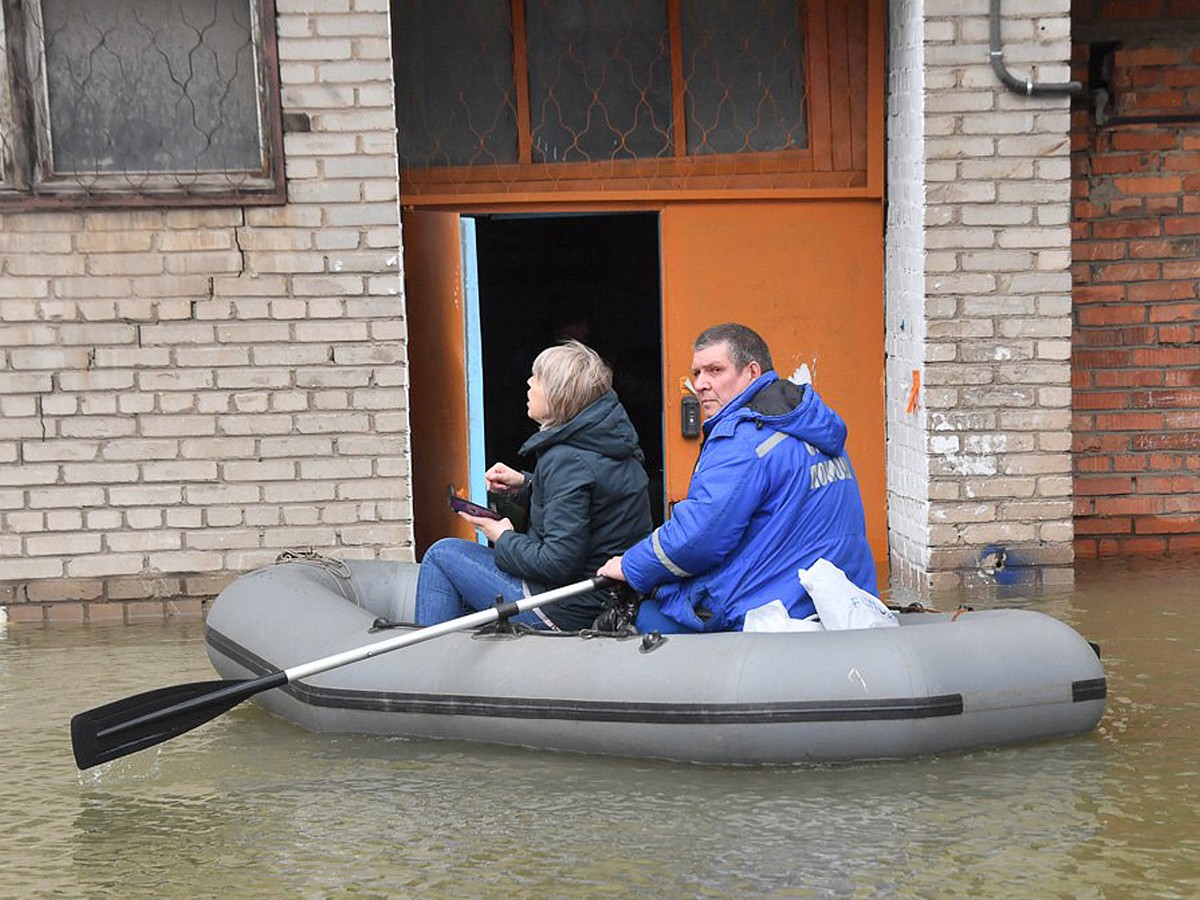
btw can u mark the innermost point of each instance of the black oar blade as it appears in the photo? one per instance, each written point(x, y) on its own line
point(117, 729)
point(125, 726)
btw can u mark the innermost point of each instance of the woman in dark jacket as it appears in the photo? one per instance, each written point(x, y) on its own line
point(587, 501)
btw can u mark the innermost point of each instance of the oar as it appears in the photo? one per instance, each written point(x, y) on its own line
point(125, 726)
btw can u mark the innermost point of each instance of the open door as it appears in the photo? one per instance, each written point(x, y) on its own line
point(485, 295)
point(437, 362)
point(547, 278)
point(808, 277)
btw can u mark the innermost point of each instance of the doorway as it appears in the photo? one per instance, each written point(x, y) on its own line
point(801, 273)
point(546, 278)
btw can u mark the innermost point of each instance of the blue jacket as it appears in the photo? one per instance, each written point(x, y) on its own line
point(773, 491)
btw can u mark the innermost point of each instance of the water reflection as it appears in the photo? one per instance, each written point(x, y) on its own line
point(393, 817)
point(249, 806)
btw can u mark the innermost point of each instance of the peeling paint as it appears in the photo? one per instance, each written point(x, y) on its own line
point(972, 465)
point(943, 446)
point(988, 443)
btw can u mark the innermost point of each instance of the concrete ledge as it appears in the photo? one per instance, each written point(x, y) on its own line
point(68, 613)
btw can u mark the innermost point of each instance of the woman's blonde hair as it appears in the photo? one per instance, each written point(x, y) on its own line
point(573, 377)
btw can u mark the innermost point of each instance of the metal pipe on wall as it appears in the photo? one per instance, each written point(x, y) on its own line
point(1027, 87)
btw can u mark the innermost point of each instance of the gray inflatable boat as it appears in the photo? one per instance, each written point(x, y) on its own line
point(936, 684)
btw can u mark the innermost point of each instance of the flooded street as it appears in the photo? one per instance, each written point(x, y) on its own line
point(249, 806)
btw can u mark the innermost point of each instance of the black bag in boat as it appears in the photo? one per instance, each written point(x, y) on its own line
point(619, 615)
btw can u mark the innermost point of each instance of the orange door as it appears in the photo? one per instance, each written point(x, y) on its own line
point(433, 287)
point(808, 277)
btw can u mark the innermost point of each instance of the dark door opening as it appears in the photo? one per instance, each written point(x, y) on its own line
point(546, 278)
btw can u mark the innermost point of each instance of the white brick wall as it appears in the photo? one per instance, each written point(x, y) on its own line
point(907, 467)
point(981, 306)
point(184, 393)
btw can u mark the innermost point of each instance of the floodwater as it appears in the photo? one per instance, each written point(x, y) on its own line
point(249, 806)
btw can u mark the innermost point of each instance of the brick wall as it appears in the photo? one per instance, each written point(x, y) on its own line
point(996, 302)
point(904, 277)
point(1137, 280)
point(184, 393)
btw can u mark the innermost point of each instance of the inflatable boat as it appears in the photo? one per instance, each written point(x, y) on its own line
point(938, 683)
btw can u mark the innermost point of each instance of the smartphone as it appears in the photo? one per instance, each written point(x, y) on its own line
point(458, 504)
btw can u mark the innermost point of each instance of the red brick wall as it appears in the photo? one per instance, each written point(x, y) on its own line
point(1136, 251)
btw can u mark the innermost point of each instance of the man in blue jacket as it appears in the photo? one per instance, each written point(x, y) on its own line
point(773, 491)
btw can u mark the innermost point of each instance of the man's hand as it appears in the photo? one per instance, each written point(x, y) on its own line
point(612, 569)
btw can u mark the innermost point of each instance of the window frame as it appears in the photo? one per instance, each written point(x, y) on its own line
point(844, 112)
point(26, 177)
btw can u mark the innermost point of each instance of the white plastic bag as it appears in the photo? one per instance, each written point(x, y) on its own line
point(774, 616)
point(840, 603)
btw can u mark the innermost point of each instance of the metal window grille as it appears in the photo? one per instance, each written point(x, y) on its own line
point(744, 77)
point(504, 93)
point(114, 100)
point(599, 80)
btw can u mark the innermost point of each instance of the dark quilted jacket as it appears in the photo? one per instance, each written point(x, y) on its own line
point(588, 502)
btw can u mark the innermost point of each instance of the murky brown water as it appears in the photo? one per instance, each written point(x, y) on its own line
point(250, 806)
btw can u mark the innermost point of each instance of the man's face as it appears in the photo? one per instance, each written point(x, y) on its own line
point(716, 379)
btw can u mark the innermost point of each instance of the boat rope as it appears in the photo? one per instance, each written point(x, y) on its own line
point(915, 607)
point(335, 568)
point(382, 624)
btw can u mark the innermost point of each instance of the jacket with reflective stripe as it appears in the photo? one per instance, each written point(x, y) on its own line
point(773, 491)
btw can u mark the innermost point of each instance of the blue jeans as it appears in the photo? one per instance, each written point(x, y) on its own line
point(458, 577)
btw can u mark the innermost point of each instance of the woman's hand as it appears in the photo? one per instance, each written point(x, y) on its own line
point(501, 479)
point(491, 528)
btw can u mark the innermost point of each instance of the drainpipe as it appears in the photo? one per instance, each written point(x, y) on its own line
point(1010, 81)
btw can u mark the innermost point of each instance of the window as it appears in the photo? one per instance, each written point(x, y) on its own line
point(116, 102)
point(745, 77)
point(599, 80)
point(497, 98)
point(464, 113)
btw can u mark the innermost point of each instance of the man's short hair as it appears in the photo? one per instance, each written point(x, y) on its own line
point(745, 345)
point(573, 377)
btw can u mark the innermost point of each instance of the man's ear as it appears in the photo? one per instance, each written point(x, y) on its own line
point(754, 369)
